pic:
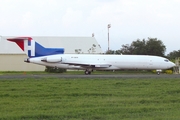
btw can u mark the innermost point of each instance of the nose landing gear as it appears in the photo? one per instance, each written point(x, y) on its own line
point(158, 72)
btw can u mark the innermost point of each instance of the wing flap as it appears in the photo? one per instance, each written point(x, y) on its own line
point(90, 65)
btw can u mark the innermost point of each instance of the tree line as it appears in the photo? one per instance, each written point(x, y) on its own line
point(151, 46)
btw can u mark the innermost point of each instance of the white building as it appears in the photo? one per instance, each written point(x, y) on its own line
point(12, 57)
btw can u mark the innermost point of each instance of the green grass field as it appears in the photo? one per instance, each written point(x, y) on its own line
point(90, 99)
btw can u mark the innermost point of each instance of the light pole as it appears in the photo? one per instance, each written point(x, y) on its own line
point(109, 26)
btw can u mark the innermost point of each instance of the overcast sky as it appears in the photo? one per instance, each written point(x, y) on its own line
point(129, 19)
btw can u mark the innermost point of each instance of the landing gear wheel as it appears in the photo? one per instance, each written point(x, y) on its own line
point(87, 72)
point(158, 73)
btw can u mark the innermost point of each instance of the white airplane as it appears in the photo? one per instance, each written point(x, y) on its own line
point(55, 57)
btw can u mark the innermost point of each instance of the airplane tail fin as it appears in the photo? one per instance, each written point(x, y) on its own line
point(34, 49)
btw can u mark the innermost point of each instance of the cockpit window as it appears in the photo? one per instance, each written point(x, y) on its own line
point(166, 60)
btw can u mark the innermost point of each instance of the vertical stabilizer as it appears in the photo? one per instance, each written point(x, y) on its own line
point(34, 49)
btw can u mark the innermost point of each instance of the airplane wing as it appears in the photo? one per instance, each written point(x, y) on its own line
point(85, 65)
point(89, 65)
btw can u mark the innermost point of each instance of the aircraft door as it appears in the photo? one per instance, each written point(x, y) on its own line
point(150, 63)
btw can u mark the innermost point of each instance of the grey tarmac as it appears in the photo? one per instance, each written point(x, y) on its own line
point(35, 76)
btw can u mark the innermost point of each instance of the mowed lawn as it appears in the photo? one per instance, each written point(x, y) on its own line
point(89, 99)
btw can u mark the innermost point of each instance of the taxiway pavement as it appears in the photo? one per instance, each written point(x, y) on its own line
point(23, 76)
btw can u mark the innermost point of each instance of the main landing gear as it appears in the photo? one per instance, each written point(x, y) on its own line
point(88, 72)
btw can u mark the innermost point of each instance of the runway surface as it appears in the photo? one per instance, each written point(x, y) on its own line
point(34, 76)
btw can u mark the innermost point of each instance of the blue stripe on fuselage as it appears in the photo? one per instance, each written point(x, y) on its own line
point(42, 51)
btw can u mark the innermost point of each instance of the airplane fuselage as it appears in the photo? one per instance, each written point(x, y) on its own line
point(103, 62)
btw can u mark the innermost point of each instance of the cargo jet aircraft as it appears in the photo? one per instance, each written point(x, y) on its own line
point(55, 57)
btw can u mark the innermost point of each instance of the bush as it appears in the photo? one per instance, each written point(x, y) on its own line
point(168, 71)
point(54, 70)
point(164, 71)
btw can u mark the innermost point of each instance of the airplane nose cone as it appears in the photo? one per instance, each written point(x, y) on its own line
point(172, 64)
